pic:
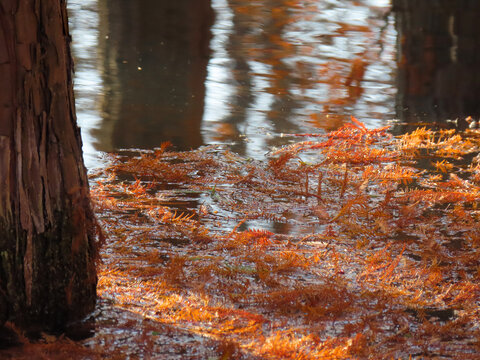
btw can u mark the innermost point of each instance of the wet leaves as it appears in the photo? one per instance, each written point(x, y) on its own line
point(339, 246)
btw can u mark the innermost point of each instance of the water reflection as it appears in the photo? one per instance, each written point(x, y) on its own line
point(438, 53)
point(296, 66)
point(168, 71)
point(84, 23)
point(155, 56)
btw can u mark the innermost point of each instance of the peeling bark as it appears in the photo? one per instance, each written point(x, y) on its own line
point(47, 237)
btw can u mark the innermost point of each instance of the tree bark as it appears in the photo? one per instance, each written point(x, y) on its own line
point(47, 234)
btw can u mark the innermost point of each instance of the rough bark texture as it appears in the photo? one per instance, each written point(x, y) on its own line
point(47, 238)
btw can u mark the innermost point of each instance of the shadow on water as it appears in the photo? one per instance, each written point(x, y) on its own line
point(154, 66)
point(438, 52)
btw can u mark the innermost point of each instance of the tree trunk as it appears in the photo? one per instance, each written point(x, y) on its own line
point(47, 235)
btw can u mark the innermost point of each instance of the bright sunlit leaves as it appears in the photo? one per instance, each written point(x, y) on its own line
point(337, 246)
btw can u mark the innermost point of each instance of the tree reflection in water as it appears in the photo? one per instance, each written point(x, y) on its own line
point(296, 66)
point(155, 56)
point(438, 57)
point(234, 71)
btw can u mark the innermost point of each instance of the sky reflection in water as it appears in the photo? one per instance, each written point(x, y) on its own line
point(275, 67)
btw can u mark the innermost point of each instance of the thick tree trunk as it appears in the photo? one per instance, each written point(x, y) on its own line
point(47, 237)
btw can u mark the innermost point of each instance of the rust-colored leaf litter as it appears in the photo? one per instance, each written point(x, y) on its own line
point(346, 245)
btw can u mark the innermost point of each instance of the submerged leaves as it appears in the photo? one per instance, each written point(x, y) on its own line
point(333, 248)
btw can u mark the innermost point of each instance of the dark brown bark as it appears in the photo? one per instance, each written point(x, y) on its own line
point(47, 237)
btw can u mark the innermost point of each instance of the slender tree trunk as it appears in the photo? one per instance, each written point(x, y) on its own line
point(47, 237)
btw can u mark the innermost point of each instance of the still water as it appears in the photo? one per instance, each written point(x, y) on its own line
point(228, 71)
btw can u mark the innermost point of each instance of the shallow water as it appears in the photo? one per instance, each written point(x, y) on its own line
point(242, 73)
point(245, 74)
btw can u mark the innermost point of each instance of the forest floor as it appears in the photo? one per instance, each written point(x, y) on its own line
point(347, 245)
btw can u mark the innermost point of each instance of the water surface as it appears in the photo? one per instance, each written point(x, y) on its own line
point(236, 72)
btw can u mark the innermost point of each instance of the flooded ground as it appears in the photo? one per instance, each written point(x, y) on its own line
point(239, 72)
point(246, 75)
